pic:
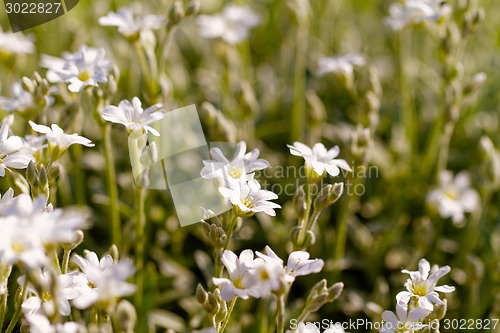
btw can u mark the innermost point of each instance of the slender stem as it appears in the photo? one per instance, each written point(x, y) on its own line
point(298, 117)
point(144, 64)
point(17, 312)
point(55, 258)
point(112, 187)
point(280, 318)
point(445, 147)
point(3, 309)
point(166, 46)
point(407, 110)
point(65, 261)
point(226, 320)
point(79, 177)
point(139, 249)
point(303, 316)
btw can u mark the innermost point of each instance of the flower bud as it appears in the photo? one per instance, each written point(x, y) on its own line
point(221, 314)
point(299, 203)
point(77, 241)
point(124, 317)
point(212, 305)
point(201, 294)
point(335, 291)
point(192, 8)
point(474, 85)
point(328, 196)
point(175, 14)
point(28, 85)
point(31, 173)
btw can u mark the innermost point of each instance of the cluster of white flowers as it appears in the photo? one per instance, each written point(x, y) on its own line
point(29, 227)
point(454, 197)
point(416, 11)
point(421, 288)
point(237, 177)
point(232, 25)
point(319, 161)
point(260, 276)
point(97, 281)
point(85, 68)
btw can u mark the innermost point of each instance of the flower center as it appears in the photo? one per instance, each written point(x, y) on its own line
point(249, 203)
point(453, 195)
point(84, 76)
point(236, 172)
point(91, 285)
point(419, 288)
point(264, 275)
point(17, 247)
point(45, 296)
point(237, 283)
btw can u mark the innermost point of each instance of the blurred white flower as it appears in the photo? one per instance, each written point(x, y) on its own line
point(232, 25)
point(340, 64)
point(416, 11)
point(239, 167)
point(41, 324)
point(454, 197)
point(21, 99)
point(81, 69)
point(101, 280)
point(337, 328)
point(11, 153)
point(15, 43)
point(423, 287)
point(240, 278)
point(130, 25)
point(319, 161)
point(29, 227)
point(42, 302)
point(404, 321)
point(248, 198)
point(132, 116)
point(59, 141)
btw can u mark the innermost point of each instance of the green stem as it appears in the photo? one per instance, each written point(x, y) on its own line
point(280, 318)
point(407, 110)
point(298, 116)
point(226, 320)
point(55, 258)
point(139, 250)
point(305, 221)
point(144, 64)
point(65, 261)
point(3, 309)
point(17, 312)
point(112, 187)
point(445, 147)
point(79, 177)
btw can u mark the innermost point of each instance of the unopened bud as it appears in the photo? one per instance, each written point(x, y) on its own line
point(335, 291)
point(212, 305)
point(78, 239)
point(31, 173)
point(299, 202)
point(192, 8)
point(201, 295)
point(175, 14)
point(125, 317)
point(474, 85)
point(221, 314)
point(28, 85)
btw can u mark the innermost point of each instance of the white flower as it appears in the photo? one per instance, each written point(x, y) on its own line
point(232, 25)
point(298, 263)
point(319, 161)
point(340, 64)
point(11, 153)
point(21, 99)
point(404, 322)
point(454, 197)
point(240, 166)
point(268, 277)
point(41, 324)
point(16, 43)
point(42, 303)
point(132, 116)
point(248, 198)
point(337, 328)
point(101, 280)
point(416, 11)
point(130, 25)
point(59, 141)
point(81, 69)
point(240, 278)
point(423, 287)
